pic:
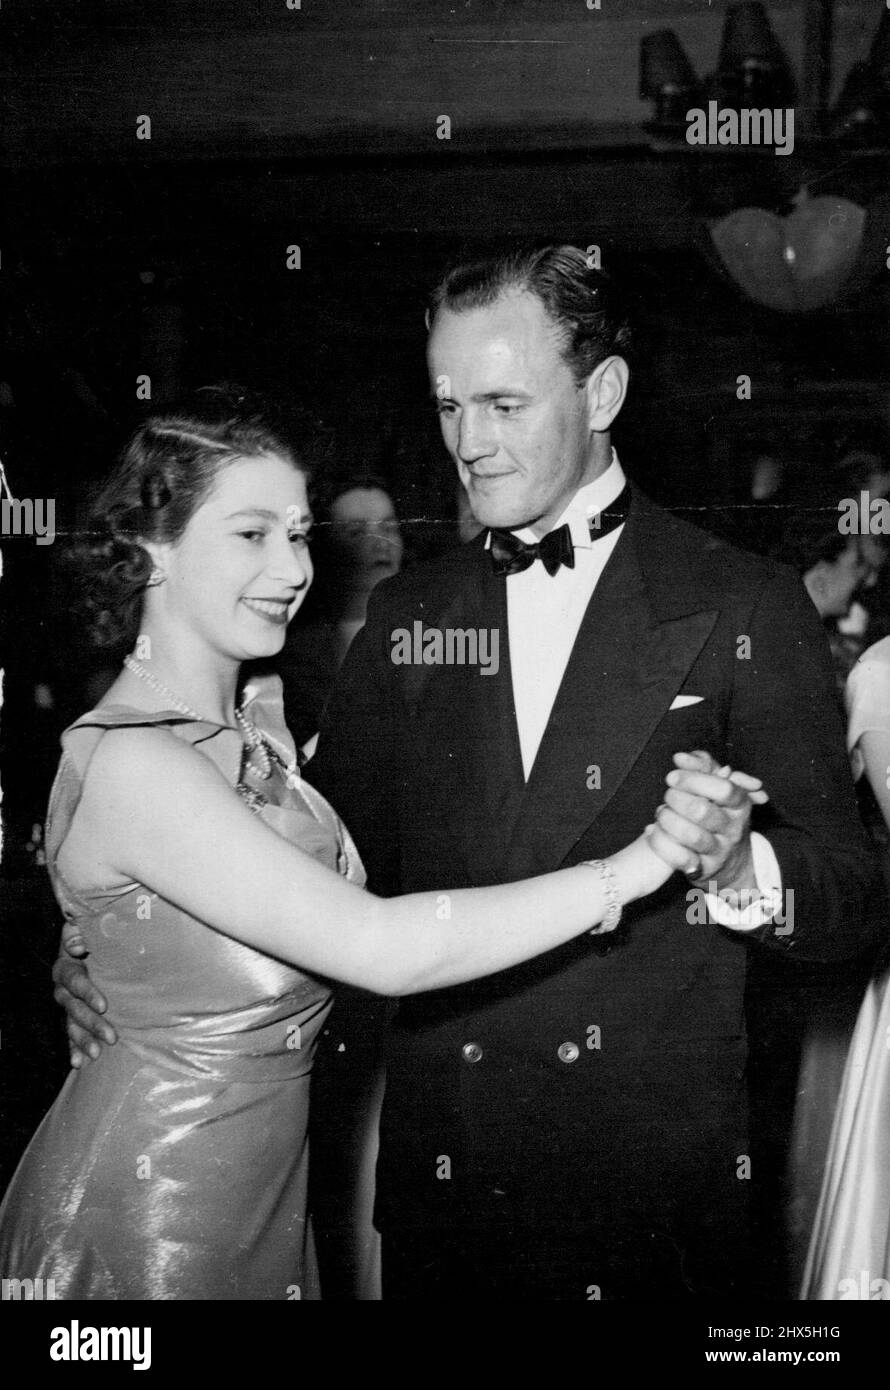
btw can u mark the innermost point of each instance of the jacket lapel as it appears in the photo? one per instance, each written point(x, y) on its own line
point(470, 726)
point(641, 633)
point(497, 779)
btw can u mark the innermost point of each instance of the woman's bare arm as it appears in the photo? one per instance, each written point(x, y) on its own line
point(165, 817)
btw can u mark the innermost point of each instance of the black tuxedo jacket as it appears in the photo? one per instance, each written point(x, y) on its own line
point(594, 1096)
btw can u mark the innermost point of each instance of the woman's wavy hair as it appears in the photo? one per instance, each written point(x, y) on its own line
point(163, 474)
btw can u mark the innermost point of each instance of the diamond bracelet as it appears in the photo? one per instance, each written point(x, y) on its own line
point(613, 909)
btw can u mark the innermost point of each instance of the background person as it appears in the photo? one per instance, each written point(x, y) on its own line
point(849, 1251)
point(358, 543)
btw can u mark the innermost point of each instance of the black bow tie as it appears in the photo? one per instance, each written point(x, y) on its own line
point(510, 555)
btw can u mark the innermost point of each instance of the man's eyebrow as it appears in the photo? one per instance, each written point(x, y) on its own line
point(511, 393)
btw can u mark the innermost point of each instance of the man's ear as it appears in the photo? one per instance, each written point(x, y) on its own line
point(606, 389)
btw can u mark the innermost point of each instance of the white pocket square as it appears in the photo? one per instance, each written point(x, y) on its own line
point(681, 701)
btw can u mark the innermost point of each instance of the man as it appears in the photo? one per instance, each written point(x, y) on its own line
point(576, 1129)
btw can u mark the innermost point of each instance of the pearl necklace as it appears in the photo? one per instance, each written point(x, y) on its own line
point(251, 735)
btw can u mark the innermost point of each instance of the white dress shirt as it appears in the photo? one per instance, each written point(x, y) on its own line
point(544, 614)
point(544, 611)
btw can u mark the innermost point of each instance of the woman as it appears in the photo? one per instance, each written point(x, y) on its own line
point(360, 544)
point(807, 1014)
point(849, 1254)
point(833, 567)
point(217, 895)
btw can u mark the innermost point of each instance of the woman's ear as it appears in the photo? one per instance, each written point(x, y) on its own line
point(606, 389)
point(158, 553)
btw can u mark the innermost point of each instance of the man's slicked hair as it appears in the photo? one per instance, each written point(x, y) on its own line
point(584, 303)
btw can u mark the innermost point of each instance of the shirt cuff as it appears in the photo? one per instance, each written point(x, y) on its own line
point(746, 911)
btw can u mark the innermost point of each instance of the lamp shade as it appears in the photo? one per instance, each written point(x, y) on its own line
point(793, 264)
point(664, 67)
point(748, 37)
point(859, 114)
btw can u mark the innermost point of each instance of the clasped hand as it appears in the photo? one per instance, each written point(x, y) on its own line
point(703, 826)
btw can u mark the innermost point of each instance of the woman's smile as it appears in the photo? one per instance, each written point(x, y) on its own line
point(272, 610)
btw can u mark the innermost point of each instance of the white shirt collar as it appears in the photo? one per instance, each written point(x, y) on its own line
point(587, 501)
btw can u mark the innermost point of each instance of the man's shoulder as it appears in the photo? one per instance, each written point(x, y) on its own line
point(673, 545)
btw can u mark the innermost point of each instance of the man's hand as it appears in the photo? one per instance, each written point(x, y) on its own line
point(82, 1002)
point(707, 809)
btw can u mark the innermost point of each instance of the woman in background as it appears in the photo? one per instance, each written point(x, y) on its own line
point(358, 543)
point(833, 567)
point(849, 1254)
point(808, 1013)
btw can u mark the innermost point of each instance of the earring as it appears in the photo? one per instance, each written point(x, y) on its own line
point(156, 577)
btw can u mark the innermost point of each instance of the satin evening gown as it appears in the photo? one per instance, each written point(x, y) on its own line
point(849, 1253)
point(175, 1166)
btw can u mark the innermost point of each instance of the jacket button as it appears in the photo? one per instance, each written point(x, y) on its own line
point(471, 1052)
point(568, 1052)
